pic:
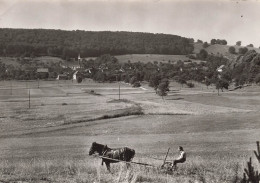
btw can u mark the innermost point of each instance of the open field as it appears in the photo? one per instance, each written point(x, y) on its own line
point(50, 141)
point(44, 59)
point(145, 58)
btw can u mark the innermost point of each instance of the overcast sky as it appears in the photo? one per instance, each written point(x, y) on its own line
point(232, 20)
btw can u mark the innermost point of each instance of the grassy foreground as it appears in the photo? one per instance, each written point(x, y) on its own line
point(216, 169)
point(50, 141)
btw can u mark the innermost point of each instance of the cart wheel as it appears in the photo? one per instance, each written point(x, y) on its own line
point(167, 168)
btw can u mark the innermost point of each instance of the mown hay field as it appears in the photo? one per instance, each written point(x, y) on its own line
point(50, 141)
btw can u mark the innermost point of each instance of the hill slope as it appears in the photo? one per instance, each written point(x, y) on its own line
point(218, 49)
point(68, 44)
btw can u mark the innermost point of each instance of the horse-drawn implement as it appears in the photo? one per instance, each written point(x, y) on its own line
point(125, 155)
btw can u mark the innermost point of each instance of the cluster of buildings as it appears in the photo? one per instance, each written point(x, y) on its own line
point(75, 67)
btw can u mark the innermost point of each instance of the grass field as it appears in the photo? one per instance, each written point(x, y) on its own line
point(145, 58)
point(50, 141)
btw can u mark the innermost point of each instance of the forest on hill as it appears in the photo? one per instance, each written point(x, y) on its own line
point(68, 44)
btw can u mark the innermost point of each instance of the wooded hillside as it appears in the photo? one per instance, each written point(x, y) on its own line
point(68, 44)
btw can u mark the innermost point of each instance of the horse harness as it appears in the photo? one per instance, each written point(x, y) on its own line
point(117, 154)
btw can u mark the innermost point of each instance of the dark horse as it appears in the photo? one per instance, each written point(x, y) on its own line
point(122, 154)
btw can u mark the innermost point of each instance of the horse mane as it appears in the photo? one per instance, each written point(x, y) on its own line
point(100, 147)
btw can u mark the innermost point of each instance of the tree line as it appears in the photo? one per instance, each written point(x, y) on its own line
point(68, 44)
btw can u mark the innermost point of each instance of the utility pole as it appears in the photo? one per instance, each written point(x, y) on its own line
point(218, 91)
point(219, 71)
point(119, 90)
point(11, 87)
point(218, 84)
point(118, 87)
point(29, 99)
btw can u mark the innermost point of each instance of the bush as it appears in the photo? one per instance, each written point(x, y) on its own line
point(203, 54)
point(79, 79)
point(232, 50)
point(251, 175)
point(199, 41)
point(163, 87)
point(207, 82)
point(218, 41)
point(205, 45)
point(127, 79)
point(256, 59)
point(242, 50)
point(213, 41)
point(249, 55)
point(257, 78)
point(133, 80)
point(191, 56)
point(154, 81)
point(136, 84)
point(190, 85)
point(238, 43)
point(221, 84)
point(180, 80)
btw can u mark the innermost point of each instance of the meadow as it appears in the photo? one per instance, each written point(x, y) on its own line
point(49, 142)
point(145, 58)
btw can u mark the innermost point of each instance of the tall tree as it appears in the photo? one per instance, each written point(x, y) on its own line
point(213, 41)
point(205, 45)
point(163, 87)
point(238, 43)
point(154, 81)
point(203, 54)
point(232, 50)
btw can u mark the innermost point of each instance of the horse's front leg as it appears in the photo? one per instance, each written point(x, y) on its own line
point(108, 165)
point(128, 165)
